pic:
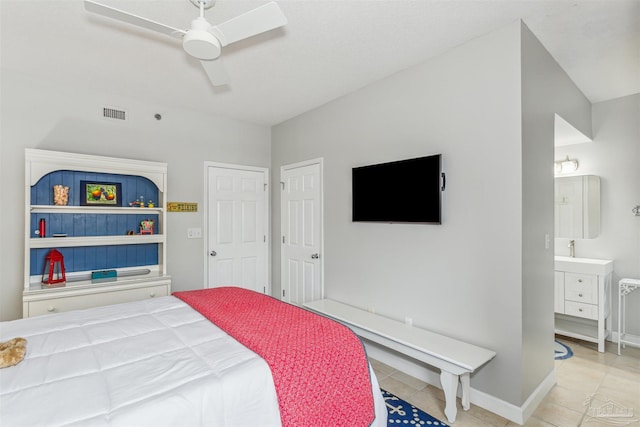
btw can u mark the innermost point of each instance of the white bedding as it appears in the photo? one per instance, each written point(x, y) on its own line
point(155, 363)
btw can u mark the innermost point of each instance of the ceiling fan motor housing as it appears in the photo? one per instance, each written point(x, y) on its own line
point(204, 41)
point(200, 43)
point(205, 3)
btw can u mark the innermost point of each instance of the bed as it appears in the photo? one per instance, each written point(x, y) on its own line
point(164, 362)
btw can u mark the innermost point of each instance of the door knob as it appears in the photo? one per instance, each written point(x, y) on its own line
point(213, 253)
point(315, 256)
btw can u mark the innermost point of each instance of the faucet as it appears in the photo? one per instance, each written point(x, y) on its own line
point(572, 247)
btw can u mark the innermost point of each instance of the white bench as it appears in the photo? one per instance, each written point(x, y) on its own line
point(455, 359)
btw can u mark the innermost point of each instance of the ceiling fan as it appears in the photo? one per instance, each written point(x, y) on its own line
point(203, 40)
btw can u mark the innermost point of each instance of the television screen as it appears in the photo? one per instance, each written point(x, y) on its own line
point(401, 191)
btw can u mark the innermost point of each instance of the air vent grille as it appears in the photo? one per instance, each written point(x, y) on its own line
point(114, 113)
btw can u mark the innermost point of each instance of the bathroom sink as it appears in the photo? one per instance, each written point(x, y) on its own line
point(584, 265)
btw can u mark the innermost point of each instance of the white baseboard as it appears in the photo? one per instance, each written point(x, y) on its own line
point(517, 414)
point(634, 339)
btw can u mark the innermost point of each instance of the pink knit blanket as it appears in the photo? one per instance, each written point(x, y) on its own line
point(319, 366)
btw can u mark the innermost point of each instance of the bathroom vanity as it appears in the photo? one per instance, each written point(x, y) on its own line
point(583, 298)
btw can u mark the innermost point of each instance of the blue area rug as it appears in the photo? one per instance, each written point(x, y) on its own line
point(399, 412)
point(562, 351)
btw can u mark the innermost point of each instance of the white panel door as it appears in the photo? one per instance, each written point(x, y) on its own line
point(236, 228)
point(301, 240)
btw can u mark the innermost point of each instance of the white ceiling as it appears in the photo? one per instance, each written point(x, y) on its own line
point(327, 49)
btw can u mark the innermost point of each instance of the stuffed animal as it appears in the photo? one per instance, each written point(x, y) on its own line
point(12, 352)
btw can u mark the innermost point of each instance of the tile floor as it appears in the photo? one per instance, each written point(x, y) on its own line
point(607, 375)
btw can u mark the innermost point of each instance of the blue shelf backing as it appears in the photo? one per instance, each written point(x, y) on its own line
point(82, 225)
point(132, 186)
point(89, 258)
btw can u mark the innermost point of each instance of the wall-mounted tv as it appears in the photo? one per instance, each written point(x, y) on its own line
point(400, 191)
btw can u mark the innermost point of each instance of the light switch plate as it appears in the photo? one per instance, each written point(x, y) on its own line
point(194, 233)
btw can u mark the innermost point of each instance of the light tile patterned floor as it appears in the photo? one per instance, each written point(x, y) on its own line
point(612, 377)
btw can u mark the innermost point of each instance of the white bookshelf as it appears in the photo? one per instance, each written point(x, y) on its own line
point(83, 294)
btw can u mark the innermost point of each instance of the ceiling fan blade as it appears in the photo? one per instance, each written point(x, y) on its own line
point(254, 22)
point(215, 71)
point(130, 18)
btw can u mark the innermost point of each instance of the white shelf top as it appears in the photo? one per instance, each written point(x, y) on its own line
point(37, 288)
point(451, 350)
point(632, 282)
point(65, 242)
point(95, 209)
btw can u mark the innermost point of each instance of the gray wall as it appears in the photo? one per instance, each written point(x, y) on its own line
point(462, 278)
point(546, 90)
point(46, 115)
point(614, 155)
point(484, 275)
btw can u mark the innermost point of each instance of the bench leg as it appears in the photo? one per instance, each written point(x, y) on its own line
point(449, 386)
point(466, 386)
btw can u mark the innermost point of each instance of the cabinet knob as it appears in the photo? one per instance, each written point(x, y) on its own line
point(51, 309)
point(580, 295)
point(580, 310)
point(152, 294)
point(579, 280)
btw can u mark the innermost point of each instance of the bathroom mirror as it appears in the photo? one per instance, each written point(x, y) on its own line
point(577, 206)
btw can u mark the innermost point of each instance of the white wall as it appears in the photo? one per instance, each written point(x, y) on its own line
point(463, 277)
point(613, 155)
point(37, 114)
point(484, 275)
point(546, 90)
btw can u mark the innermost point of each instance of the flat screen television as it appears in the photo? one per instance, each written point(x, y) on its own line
point(403, 191)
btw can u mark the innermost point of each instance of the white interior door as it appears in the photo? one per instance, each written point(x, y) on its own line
point(301, 210)
point(237, 218)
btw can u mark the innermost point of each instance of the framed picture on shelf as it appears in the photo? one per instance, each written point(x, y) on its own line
point(100, 193)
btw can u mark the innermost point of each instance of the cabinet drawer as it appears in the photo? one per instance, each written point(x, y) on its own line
point(588, 311)
point(581, 287)
point(585, 296)
point(56, 305)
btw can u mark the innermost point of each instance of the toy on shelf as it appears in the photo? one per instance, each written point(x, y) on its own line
point(146, 226)
point(139, 202)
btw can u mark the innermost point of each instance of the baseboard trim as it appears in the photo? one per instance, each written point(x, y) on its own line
point(517, 414)
point(634, 339)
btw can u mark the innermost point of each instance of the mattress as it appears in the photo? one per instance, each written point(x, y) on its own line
point(155, 362)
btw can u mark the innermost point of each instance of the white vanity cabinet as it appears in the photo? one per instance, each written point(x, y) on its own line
point(583, 298)
point(93, 237)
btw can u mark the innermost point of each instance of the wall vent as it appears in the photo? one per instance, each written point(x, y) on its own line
point(114, 113)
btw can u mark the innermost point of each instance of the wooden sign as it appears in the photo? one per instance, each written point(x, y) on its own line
point(182, 207)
